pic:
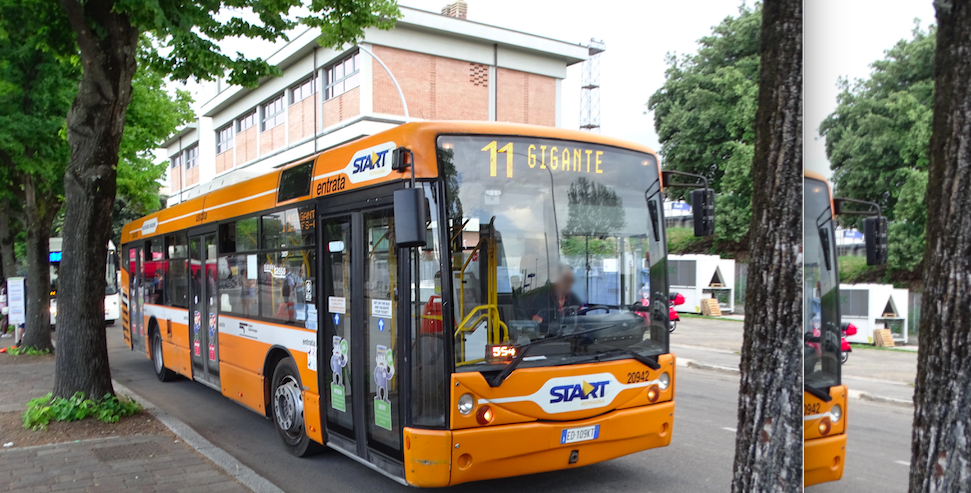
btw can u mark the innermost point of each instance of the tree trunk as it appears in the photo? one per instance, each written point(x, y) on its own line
point(38, 327)
point(769, 441)
point(95, 124)
point(941, 444)
point(7, 256)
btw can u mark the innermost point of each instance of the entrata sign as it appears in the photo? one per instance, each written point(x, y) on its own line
point(365, 165)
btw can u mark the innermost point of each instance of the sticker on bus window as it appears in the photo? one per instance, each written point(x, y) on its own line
point(212, 352)
point(197, 321)
point(197, 348)
point(312, 358)
point(336, 304)
point(381, 308)
point(338, 360)
point(383, 373)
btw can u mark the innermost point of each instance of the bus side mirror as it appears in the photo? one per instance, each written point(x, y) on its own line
point(409, 217)
point(703, 210)
point(875, 232)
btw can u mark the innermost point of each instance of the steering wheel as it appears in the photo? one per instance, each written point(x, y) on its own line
point(583, 311)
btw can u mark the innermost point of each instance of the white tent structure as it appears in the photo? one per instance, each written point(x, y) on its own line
point(702, 276)
point(874, 306)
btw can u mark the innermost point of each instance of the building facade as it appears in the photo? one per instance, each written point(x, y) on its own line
point(448, 68)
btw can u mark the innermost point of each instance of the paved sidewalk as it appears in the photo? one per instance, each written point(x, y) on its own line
point(141, 462)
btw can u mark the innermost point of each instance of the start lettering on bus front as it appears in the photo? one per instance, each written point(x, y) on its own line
point(570, 159)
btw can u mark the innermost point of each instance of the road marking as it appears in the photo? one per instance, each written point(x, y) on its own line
point(902, 463)
point(733, 430)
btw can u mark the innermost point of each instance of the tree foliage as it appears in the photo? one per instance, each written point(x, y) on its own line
point(704, 115)
point(878, 139)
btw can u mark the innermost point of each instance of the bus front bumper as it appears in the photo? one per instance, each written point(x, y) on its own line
point(824, 458)
point(443, 458)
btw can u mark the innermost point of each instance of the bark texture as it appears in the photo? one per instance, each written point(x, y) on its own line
point(941, 447)
point(7, 257)
point(40, 209)
point(108, 43)
point(769, 441)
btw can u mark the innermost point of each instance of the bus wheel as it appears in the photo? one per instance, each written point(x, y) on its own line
point(163, 373)
point(287, 404)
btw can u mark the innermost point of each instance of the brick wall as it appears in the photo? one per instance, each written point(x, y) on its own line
point(175, 175)
point(435, 88)
point(192, 176)
point(300, 119)
point(224, 161)
point(525, 98)
point(246, 146)
point(272, 139)
point(343, 107)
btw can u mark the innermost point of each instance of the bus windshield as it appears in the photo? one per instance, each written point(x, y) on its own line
point(821, 290)
point(552, 239)
point(111, 274)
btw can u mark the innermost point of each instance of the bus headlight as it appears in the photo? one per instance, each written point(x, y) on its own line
point(836, 413)
point(664, 381)
point(466, 403)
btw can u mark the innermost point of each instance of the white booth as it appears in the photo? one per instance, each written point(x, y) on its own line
point(702, 276)
point(874, 306)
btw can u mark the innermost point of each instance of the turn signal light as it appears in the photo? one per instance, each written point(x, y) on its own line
point(824, 426)
point(485, 415)
point(653, 393)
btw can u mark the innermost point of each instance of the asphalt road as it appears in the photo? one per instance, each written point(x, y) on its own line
point(699, 459)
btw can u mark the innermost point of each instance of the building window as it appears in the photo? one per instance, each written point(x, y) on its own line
point(246, 121)
point(302, 91)
point(224, 139)
point(273, 113)
point(343, 75)
point(176, 160)
point(192, 157)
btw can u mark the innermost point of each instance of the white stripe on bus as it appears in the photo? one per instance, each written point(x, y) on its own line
point(227, 204)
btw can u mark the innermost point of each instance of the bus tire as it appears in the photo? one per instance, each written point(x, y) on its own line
point(161, 372)
point(286, 403)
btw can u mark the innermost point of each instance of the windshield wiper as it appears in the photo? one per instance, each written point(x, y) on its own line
point(640, 358)
point(819, 394)
point(501, 377)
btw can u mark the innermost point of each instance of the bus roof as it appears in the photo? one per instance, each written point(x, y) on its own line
point(332, 172)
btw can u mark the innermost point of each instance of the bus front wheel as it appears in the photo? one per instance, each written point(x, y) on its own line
point(286, 398)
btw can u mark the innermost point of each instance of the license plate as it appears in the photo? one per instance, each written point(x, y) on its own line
point(571, 435)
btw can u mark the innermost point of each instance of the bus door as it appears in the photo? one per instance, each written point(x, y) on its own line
point(360, 299)
point(203, 316)
point(136, 299)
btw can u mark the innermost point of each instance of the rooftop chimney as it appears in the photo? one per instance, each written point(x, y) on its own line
point(458, 9)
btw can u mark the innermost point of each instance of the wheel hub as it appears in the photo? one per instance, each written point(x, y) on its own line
point(288, 405)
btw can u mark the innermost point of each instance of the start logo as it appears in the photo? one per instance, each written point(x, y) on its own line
point(582, 390)
point(370, 163)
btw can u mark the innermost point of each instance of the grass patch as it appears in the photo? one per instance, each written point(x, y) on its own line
point(42, 410)
point(683, 241)
point(29, 351)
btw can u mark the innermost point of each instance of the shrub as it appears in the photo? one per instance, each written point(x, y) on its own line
point(41, 411)
point(29, 351)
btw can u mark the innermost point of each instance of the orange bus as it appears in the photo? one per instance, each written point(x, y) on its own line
point(825, 397)
point(422, 298)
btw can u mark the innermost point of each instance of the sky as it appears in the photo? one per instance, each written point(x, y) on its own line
point(842, 39)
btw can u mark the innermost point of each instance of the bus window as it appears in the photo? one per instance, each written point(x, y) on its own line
point(176, 274)
point(822, 331)
point(237, 284)
point(428, 365)
point(291, 228)
point(286, 286)
point(153, 272)
point(560, 229)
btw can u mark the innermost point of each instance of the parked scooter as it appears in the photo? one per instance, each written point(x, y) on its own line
point(847, 329)
point(674, 299)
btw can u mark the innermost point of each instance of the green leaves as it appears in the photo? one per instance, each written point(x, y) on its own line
point(878, 142)
point(705, 116)
point(42, 410)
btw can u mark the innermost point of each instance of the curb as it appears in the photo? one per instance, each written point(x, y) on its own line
point(864, 396)
point(689, 363)
point(248, 477)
